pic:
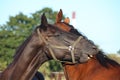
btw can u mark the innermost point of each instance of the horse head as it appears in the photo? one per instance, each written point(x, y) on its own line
point(86, 47)
point(64, 46)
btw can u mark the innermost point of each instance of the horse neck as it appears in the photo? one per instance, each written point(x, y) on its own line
point(79, 71)
point(88, 71)
point(26, 62)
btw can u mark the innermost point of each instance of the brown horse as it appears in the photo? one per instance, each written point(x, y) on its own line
point(45, 43)
point(98, 67)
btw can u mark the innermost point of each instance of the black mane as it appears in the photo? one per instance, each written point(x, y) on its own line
point(73, 30)
point(105, 61)
point(100, 56)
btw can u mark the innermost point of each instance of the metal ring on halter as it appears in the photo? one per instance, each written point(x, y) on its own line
point(69, 48)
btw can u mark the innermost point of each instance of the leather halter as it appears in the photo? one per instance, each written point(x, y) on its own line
point(70, 48)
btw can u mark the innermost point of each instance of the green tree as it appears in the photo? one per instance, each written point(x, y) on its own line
point(54, 66)
point(21, 25)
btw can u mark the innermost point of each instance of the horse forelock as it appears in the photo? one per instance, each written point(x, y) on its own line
point(68, 24)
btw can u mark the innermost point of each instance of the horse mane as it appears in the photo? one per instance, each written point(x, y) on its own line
point(100, 56)
point(75, 31)
point(22, 46)
point(104, 60)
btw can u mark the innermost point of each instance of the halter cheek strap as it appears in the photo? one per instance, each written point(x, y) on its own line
point(70, 48)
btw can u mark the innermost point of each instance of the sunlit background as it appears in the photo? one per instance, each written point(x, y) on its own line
point(99, 20)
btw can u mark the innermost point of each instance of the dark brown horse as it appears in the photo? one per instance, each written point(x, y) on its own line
point(98, 67)
point(45, 43)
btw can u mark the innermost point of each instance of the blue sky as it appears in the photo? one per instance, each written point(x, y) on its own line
point(99, 20)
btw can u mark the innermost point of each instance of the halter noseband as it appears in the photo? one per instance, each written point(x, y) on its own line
point(70, 48)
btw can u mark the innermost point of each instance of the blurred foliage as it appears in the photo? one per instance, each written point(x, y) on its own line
point(55, 66)
point(48, 68)
point(16, 30)
point(115, 57)
point(118, 51)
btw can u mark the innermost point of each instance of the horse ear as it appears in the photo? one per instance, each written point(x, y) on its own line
point(59, 16)
point(44, 19)
point(67, 20)
point(43, 22)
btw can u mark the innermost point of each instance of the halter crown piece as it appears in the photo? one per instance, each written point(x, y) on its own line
point(70, 48)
